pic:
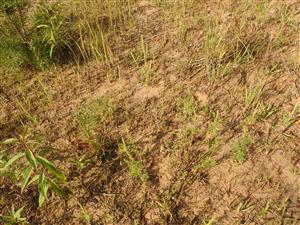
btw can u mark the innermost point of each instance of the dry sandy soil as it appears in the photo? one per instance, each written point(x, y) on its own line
point(216, 72)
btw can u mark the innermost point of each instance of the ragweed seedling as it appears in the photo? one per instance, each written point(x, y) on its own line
point(215, 126)
point(206, 163)
point(85, 215)
point(182, 17)
point(81, 162)
point(260, 112)
point(209, 222)
point(135, 167)
point(45, 89)
point(33, 166)
point(188, 106)
point(146, 72)
point(142, 57)
point(241, 147)
point(97, 113)
point(24, 107)
point(264, 211)
point(142, 54)
point(187, 135)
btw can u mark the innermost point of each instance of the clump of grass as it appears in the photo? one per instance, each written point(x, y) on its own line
point(95, 24)
point(13, 54)
point(253, 96)
point(143, 57)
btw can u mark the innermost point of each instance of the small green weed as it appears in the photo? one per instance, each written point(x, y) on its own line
point(13, 54)
point(207, 163)
point(81, 162)
point(86, 217)
point(135, 167)
point(209, 222)
point(288, 118)
point(240, 149)
point(215, 126)
point(188, 106)
point(97, 113)
point(14, 217)
point(187, 135)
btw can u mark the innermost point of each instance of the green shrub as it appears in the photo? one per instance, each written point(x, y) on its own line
point(40, 41)
point(49, 41)
point(45, 33)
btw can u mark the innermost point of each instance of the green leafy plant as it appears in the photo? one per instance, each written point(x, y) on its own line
point(39, 41)
point(50, 39)
point(215, 125)
point(14, 217)
point(208, 163)
point(80, 163)
point(14, 52)
point(34, 167)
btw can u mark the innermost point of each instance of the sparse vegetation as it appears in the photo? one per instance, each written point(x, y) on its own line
point(149, 112)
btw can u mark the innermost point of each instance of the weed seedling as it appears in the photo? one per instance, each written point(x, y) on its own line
point(86, 217)
point(14, 217)
point(188, 107)
point(288, 118)
point(209, 222)
point(90, 118)
point(215, 126)
point(240, 149)
point(135, 167)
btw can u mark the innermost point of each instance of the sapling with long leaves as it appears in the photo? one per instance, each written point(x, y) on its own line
point(35, 168)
